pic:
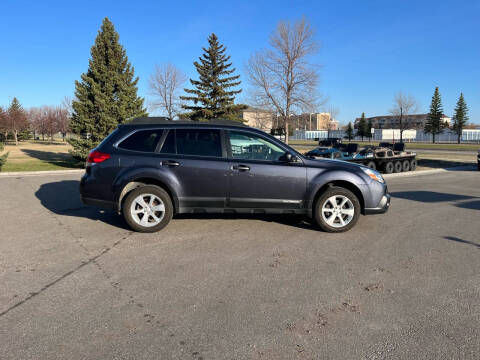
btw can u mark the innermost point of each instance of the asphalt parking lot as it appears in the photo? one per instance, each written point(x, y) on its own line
point(77, 284)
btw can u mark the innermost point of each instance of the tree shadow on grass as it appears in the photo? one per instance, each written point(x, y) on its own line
point(54, 158)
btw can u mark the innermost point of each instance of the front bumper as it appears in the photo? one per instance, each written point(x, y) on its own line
point(382, 206)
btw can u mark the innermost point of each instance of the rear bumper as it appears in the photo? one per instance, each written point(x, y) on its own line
point(382, 206)
point(99, 203)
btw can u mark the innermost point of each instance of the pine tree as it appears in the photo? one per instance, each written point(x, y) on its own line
point(460, 117)
point(214, 94)
point(362, 127)
point(349, 132)
point(434, 124)
point(106, 95)
point(16, 120)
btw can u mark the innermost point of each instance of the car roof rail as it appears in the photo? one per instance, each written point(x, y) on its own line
point(159, 120)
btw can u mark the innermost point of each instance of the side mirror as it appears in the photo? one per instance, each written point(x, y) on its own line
point(288, 157)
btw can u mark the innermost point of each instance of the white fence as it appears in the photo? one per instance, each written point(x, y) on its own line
point(471, 135)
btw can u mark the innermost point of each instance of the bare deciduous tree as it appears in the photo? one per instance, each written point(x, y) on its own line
point(67, 105)
point(282, 78)
point(48, 120)
point(403, 106)
point(36, 119)
point(62, 119)
point(164, 85)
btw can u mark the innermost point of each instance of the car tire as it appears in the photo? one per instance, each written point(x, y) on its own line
point(371, 165)
point(346, 209)
point(406, 165)
point(389, 168)
point(147, 209)
point(398, 166)
point(413, 165)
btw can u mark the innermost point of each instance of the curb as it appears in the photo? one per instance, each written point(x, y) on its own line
point(429, 172)
point(36, 173)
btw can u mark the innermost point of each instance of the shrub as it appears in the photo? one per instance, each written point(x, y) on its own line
point(3, 160)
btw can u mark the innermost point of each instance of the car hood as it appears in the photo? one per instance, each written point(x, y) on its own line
point(337, 164)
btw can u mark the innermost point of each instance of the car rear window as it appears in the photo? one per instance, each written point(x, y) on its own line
point(200, 142)
point(142, 140)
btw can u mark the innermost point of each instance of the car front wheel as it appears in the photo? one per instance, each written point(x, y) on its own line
point(147, 209)
point(337, 210)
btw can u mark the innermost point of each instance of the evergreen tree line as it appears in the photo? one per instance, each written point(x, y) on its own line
point(434, 124)
point(106, 94)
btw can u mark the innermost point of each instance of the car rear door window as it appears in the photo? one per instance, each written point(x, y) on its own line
point(199, 142)
point(142, 140)
point(168, 146)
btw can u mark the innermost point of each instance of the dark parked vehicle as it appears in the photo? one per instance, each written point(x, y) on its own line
point(148, 170)
point(478, 159)
point(330, 142)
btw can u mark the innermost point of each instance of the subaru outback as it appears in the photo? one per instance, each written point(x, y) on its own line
point(149, 169)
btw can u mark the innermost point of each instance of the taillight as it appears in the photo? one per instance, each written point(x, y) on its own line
point(96, 157)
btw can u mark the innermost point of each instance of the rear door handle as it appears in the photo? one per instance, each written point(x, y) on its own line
point(169, 163)
point(241, 168)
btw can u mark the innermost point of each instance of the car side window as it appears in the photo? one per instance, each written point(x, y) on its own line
point(168, 146)
point(199, 142)
point(142, 140)
point(251, 147)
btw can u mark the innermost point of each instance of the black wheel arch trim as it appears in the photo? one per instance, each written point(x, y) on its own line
point(133, 178)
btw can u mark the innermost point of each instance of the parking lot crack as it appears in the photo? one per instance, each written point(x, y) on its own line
point(64, 276)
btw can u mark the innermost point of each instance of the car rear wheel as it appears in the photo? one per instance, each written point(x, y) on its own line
point(406, 165)
point(147, 209)
point(337, 210)
point(389, 167)
point(398, 166)
point(371, 165)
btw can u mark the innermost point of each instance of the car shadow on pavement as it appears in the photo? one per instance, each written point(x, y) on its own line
point(430, 196)
point(453, 238)
point(299, 221)
point(63, 198)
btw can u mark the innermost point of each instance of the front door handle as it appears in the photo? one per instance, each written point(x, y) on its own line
point(169, 163)
point(241, 168)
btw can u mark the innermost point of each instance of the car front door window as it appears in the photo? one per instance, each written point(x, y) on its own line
point(251, 147)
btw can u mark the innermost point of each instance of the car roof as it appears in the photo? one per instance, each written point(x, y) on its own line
point(149, 121)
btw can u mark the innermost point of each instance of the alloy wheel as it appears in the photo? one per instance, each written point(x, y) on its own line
point(338, 211)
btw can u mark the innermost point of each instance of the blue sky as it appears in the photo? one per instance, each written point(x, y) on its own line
point(369, 49)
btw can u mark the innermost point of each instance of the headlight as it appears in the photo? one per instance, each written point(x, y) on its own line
point(375, 175)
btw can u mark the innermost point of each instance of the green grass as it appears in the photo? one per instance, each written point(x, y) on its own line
point(40, 165)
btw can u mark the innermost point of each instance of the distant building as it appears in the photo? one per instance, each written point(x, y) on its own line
point(258, 118)
point(313, 122)
point(415, 121)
